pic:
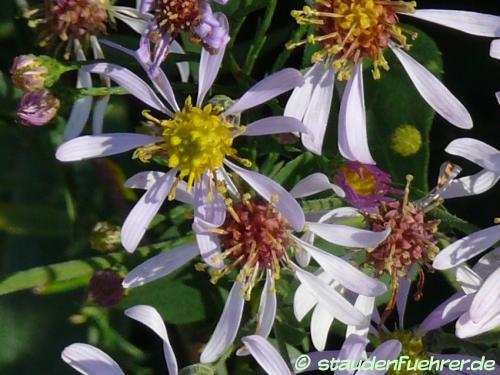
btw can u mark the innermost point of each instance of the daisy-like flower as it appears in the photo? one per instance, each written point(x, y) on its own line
point(478, 306)
point(253, 237)
point(89, 360)
point(351, 31)
point(365, 185)
point(169, 18)
point(193, 141)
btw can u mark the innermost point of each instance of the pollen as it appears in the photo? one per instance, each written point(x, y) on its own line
point(360, 180)
point(175, 16)
point(348, 31)
point(406, 140)
point(255, 238)
point(195, 140)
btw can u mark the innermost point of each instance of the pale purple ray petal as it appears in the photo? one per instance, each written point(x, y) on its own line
point(347, 236)
point(210, 64)
point(313, 184)
point(102, 103)
point(227, 327)
point(160, 265)
point(267, 89)
point(144, 181)
point(477, 152)
point(266, 355)
point(271, 190)
point(488, 263)
point(321, 321)
point(209, 206)
point(89, 360)
point(365, 305)
point(183, 67)
point(402, 299)
point(446, 312)
point(131, 17)
point(159, 54)
point(352, 350)
point(80, 111)
point(146, 5)
point(303, 300)
point(352, 133)
point(144, 211)
point(210, 249)
point(469, 22)
point(330, 299)
point(130, 82)
point(98, 146)
point(466, 248)
point(222, 2)
point(466, 327)
point(274, 125)
point(318, 112)
point(386, 351)
point(487, 299)
point(298, 102)
point(150, 317)
point(495, 49)
point(434, 92)
point(471, 185)
point(344, 272)
point(465, 369)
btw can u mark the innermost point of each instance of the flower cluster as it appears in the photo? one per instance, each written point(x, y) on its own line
point(259, 216)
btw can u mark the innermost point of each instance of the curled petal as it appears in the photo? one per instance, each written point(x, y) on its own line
point(313, 184)
point(266, 356)
point(434, 92)
point(477, 152)
point(89, 360)
point(471, 185)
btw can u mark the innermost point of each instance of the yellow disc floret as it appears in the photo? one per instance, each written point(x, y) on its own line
point(412, 347)
point(406, 140)
point(196, 141)
point(350, 30)
point(361, 181)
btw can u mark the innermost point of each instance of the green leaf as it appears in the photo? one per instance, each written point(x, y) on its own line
point(288, 174)
point(393, 101)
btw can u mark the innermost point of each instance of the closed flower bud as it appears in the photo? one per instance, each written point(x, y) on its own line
point(29, 73)
point(37, 108)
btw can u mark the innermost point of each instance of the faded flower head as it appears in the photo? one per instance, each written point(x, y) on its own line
point(412, 239)
point(105, 288)
point(365, 185)
point(29, 73)
point(62, 21)
point(348, 31)
point(37, 108)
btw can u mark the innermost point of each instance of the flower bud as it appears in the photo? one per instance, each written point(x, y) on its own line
point(105, 237)
point(105, 288)
point(29, 73)
point(406, 140)
point(37, 108)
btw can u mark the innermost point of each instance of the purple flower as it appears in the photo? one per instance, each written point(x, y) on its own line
point(37, 108)
point(365, 185)
point(28, 73)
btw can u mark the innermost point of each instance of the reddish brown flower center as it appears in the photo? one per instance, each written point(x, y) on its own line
point(174, 16)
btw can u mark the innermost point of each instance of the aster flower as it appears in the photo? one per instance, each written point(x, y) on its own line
point(90, 360)
point(169, 18)
point(255, 238)
point(195, 141)
point(37, 108)
point(350, 31)
point(365, 185)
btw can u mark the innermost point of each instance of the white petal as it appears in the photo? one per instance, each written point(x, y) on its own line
point(321, 321)
point(313, 184)
point(160, 265)
point(298, 102)
point(265, 355)
point(331, 300)
point(210, 64)
point(469, 280)
point(365, 305)
point(488, 263)
point(352, 132)
point(318, 112)
point(387, 351)
point(227, 328)
point(495, 49)
point(148, 316)
point(130, 82)
point(487, 300)
point(210, 249)
point(97, 146)
point(303, 300)
point(466, 327)
point(138, 220)
point(347, 236)
point(446, 312)
point(477, 152)
point(469, 22)
point(144, 181)
point(343, 272)
point(131, 17)
point(274, 125)
point(270, 190)
point(466, 248)
point(267, 89)
point(471, 185)
point(89, 360)
point(183, 67)
point(434, 92)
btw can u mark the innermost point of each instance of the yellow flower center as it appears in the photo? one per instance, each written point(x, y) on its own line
point(413, 347)
point(406, 140)
point(350, 30)
point(361, 181)
point(196, 140)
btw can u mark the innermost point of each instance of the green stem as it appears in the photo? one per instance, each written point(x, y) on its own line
point(100, 91)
